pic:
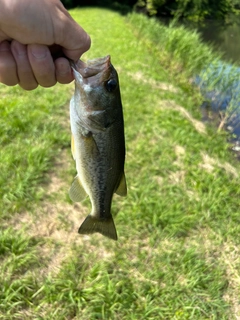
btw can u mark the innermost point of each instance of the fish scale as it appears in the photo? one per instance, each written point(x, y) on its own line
point(98, 144)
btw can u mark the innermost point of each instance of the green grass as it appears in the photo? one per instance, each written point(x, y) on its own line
point(178, 249)
point(29, 128)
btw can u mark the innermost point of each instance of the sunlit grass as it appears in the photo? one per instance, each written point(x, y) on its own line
point(175, 226)
point(30, 136)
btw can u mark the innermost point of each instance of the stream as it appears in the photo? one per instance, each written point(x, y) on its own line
point(224, 37)
point(220, 84)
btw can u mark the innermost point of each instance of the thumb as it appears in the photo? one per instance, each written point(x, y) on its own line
point(75, 41)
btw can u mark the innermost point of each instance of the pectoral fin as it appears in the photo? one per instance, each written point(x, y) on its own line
point(90, 146)
point(122, 187)
point(77, 192)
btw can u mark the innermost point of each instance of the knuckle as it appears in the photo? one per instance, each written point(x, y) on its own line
point(8, 78)
point(48, 84)
point(28, 86)
point(9, 82)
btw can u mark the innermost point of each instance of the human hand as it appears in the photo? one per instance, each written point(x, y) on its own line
point(36, 40)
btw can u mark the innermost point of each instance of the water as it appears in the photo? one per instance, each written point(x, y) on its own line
point(225, 37)
point(222, 36)
point(220, 83)
point(223, 98)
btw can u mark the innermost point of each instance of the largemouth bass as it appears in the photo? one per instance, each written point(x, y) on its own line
point(97, 145)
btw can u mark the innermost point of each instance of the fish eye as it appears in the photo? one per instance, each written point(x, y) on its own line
point(111, 85)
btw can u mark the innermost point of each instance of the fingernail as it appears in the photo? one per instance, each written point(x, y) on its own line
point(64, 69)
point(38, 51)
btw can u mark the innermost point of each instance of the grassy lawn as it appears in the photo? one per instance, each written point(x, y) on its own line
point(177, 256)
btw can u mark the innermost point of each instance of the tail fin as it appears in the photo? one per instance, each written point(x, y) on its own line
point(104, 226)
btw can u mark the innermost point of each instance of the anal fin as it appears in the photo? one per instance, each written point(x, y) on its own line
point(122, 187)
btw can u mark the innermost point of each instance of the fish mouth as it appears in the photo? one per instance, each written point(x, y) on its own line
point(93, 71)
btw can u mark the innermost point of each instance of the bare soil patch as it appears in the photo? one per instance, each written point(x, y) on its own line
point(141, 77)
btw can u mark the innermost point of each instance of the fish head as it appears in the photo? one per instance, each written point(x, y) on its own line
point(97, 84)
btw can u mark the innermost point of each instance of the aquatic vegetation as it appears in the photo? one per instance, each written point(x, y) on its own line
point(220, 86)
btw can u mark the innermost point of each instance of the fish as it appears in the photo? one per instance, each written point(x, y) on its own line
point(97, 143)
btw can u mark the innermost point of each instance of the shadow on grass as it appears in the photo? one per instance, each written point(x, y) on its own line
point(121, 8)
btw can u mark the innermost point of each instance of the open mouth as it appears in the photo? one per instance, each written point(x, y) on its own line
point(93, 71)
